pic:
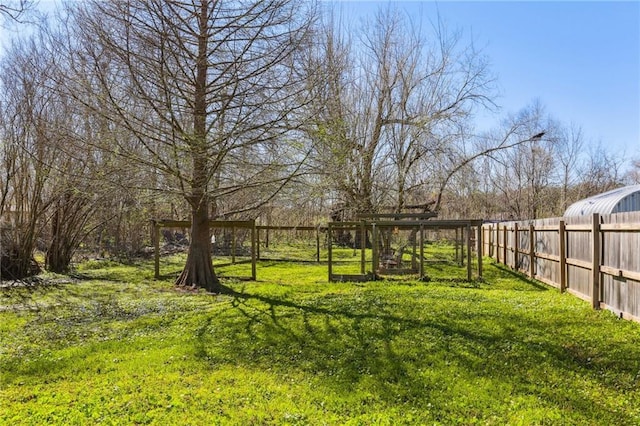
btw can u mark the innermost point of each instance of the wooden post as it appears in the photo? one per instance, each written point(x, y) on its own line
point(563, 255)
point(363, 245)
point(595, 261)
point(516, 244)
point(156, 244)
point(504, 247)
point(421, 251)
point(532, 251)
point(468, 244)
point(330, 251)
point(480, 249)
point(462, 244)
point(253, 251)
point(318, 244)
point(497, 245)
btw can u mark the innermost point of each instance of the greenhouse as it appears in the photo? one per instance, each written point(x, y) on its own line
point(620, 200)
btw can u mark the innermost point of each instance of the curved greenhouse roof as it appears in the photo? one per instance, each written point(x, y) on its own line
point(625, 199)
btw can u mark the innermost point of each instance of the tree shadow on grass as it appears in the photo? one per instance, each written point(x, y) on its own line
point(493, 271)
point(363, 343)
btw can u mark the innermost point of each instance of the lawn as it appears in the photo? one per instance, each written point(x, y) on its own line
point(109, 345)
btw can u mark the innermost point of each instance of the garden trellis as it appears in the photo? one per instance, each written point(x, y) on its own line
point(375, 231)
point(229, 225)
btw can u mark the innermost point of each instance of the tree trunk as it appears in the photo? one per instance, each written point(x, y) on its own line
point(56, 259)
point(198, 270)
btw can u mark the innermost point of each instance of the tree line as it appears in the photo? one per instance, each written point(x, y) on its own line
point(115, 113)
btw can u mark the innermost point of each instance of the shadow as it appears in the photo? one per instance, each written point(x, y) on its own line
point(520, 276)
point(368, 341)
point(399, 350)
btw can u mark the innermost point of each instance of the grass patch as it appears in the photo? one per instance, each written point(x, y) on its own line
point(108, 345)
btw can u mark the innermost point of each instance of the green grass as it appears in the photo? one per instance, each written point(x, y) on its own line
point(108, 345)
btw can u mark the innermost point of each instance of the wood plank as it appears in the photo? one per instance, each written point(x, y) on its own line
point(620, 273)
point(579, 227)
point(547, 256)
point(288, 228)
point(563, 256)
point(579, 263)
point(595, 261)
point(547, 228)
point(620, 227)
point(532, 250)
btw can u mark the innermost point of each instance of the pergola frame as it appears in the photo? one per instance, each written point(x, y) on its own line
point(377, 223)
point(225, 224)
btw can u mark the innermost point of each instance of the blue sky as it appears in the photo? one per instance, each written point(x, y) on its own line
point(580, 59)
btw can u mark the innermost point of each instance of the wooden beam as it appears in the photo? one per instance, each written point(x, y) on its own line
point(330, 251)
point(532, 250)
point(595, 261)
point(254, 246)
point(468, 244)
point(363, 245)
point(516, 244)
point(563, 255)
point(479, 242)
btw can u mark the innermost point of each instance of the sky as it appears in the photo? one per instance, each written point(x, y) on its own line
point(580, 59)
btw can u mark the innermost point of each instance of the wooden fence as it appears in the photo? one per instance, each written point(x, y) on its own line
point(596, 258)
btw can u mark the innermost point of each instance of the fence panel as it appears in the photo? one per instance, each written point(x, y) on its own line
point(614, 267)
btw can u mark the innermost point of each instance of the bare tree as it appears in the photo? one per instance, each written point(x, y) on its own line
point(28, 147)
point(391, 106)
point(633, 175)
point(569, 147)
point(601, 172)
point(15, 9)
point(196, 86)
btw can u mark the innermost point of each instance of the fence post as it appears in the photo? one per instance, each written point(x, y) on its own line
point(505, 238)
point(480, 249)
point(563, 256)
point(462, 244)
point(253, 250)
point(497, 245)
point(468, 244)
point(330, 251)
point(318, 244)
point(363, 245)
point(421, 251)
point(532, 250)
point(516, 244)
point(595, 261)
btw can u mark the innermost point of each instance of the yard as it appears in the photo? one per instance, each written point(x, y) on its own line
point(109, 345)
